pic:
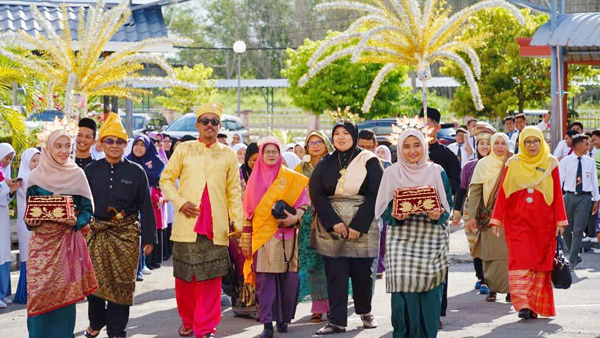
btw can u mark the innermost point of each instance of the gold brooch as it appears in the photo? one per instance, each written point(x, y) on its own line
point(283, 183)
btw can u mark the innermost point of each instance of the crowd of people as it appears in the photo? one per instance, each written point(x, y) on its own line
point(272, 225)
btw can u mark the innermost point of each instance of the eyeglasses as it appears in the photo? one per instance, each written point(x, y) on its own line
point(532, 143)
point(315, 143)
point(111, 141)
point(205, 122)
point(271, 152)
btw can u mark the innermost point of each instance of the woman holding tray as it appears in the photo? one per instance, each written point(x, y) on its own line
point(343, 189)
point(416, 244)
point(483, 191)
point(59, 269)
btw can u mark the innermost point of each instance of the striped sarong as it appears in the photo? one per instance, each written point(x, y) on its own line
point(532, 290)
point(416, 256)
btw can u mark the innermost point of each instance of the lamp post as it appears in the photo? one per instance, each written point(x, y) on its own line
point(239, 47)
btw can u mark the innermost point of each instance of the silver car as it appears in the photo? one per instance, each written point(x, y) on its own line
point(185, 125)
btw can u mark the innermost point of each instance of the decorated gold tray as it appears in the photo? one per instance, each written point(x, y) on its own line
point(49, 208)
point(415, 200)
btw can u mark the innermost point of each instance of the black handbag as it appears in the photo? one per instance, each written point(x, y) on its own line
point(278, 213)
point(561, 276)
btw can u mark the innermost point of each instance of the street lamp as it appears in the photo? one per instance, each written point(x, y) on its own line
point(239, 47)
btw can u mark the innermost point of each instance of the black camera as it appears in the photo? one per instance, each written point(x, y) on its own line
point(279, 207)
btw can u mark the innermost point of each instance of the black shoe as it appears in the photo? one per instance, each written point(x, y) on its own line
point(282, 327)
point(368, 321)
point(156, 266)
point(139, 279)
point(508, 299)
point(209, 335)
point(525, 313)
point(330, 329)
point(267, 332)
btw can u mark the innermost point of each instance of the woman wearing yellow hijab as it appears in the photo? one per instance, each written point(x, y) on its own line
point(483, 191)
point(531, 210)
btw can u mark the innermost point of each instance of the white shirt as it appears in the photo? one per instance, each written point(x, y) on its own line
point(589, 176)
point(562, 150)
point(541, 126)
point(464, 156)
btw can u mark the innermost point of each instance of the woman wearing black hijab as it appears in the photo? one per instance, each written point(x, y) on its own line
point(249, 160)
point(343, 189)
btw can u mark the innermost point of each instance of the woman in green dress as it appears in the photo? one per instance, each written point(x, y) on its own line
point(416, 257)
point(59, 269)
point(313, 282)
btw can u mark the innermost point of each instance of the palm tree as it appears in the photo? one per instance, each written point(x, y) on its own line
point(9, 75)
point(86, 71)
point(400, 32)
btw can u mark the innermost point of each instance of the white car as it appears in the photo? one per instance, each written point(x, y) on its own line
point(37, 120)
point(185, 125)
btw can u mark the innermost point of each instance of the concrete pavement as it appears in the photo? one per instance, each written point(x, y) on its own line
point(578, 309)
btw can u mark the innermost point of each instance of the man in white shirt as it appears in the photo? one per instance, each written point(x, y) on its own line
point(521, 123)
point(459, 147)
point(564, 147)
point(511, 130)
point(470, 141)
point(579, 180)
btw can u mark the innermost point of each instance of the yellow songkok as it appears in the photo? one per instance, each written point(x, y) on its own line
point(112, 126)
point(210, 108)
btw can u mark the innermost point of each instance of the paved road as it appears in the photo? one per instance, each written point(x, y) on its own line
point(578, 309)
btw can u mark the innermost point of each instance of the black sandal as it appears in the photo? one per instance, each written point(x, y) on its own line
point(491, 297)
point(185, 332)
point(89, 335)
point(330, 329)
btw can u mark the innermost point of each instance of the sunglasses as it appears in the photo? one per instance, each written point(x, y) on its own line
point(205, 122)
point(111, 141)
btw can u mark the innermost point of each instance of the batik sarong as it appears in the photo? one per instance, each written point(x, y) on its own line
point(115, 249)
point(532, 290)
point(59, 269)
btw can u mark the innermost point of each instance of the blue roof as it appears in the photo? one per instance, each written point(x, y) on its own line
point(579, 30)
point(146, 22)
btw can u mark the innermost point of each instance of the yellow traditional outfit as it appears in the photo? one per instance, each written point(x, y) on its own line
point(209, 178)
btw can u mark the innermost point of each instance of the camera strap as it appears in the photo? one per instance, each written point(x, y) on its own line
point(285, 258)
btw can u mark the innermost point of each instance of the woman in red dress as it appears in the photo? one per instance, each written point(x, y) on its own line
point(531, 185)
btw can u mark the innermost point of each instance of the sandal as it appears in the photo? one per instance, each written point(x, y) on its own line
point(316, 318)
point(491, 297)
point(508, 299)
point(89, 334)
point(183, 332)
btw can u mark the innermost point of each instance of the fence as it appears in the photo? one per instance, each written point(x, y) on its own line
point(292, 121)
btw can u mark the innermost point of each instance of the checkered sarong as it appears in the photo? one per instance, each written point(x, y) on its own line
point(416, 256)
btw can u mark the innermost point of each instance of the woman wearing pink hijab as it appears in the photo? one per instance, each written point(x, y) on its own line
point(272, 253)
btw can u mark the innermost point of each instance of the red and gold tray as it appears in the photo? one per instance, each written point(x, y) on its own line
point(415, 200)
point(49, 208)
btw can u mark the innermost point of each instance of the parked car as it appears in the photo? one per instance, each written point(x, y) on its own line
point(383, 129)
point(144, 123)
point(37, 120)
point(447, 134)
point(185, 125)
